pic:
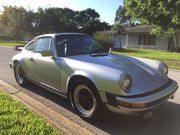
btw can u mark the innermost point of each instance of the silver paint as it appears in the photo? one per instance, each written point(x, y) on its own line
point(103, 71)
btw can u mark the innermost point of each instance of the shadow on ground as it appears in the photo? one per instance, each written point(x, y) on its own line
point(166, 121)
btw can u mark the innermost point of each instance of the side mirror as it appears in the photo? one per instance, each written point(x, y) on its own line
point(47, 53)
point(19, 47)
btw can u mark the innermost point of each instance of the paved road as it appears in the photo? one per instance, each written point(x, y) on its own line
point(166, 121)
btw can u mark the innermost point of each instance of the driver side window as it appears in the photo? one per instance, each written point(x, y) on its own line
point(43, 44)
point(30, 47)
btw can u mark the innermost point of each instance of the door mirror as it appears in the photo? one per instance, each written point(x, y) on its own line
point(47, 53)
point(19, 48)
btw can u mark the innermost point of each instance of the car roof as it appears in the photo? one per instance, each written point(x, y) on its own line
point(57, 34)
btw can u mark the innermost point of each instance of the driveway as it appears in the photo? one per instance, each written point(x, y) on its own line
point(165, 122)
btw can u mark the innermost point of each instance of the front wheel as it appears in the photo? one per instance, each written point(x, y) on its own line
point(19, 75)
point(85, 100)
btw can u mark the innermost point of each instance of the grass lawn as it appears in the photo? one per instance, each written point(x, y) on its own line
point(16, 119)
point(172, 59)
point(12, 43)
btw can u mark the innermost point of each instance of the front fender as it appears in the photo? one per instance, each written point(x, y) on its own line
point(17, 58)
point(104, 80)
point(153, 63)
point(83, 74)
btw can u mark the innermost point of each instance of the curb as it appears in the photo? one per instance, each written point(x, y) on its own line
point(57, 120)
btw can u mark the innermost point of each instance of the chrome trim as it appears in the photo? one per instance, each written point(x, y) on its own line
point(79, 106)
point(132, 112)
point(51, 89)
point(18, 72)
point(163, 96)
point(156, 96)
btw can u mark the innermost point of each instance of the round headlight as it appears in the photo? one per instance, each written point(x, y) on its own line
point(125, 82)
point(164, 68)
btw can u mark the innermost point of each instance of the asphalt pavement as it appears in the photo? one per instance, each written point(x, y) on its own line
point(164, 122)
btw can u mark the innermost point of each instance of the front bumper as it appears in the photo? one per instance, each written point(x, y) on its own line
point(137, 105)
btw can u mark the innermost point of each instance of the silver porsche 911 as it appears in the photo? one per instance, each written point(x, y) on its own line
point(74, 66)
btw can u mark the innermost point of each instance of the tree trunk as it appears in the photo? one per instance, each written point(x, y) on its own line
point(176, 43)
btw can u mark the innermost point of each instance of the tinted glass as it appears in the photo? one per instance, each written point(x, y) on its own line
point(30, 47)
point(69, 45)
point(43, 44)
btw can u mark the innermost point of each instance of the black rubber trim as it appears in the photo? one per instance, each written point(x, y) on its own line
point(58, 92)
point(160, 100)
point(111, 98)
point(150, 92)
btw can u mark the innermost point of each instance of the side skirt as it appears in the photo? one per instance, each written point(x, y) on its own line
point(49, 88)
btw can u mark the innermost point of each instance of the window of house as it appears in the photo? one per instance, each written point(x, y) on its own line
point(145, 39)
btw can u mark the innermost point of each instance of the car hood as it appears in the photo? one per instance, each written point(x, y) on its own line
point(145, 77)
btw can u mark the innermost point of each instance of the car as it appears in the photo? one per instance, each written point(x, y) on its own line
point(78, 68)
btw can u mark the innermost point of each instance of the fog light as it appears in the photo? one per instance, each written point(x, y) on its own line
point(131, 105)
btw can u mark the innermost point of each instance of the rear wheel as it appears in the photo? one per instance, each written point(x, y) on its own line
point(85, 100)
point(19, 75)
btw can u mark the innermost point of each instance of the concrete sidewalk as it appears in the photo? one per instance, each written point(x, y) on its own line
point(175, 75)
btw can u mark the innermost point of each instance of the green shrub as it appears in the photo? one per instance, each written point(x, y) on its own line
point(105, 38)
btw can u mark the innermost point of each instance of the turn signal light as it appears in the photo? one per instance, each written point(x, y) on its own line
point(131, 105)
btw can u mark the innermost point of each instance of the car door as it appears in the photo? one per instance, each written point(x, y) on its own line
point(28, 52)
point(46, 68)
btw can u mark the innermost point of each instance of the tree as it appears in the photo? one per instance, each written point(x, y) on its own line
point(17, 21)
point(31, 22)
point(82, 17)
point(71, 22)
point(86, 15)
point(118, 27)
point(67, 20)
point(12, 21)
point(164, 15)
point(122, 17)
point(93, 26)
point(51, 20)
point(88, 21)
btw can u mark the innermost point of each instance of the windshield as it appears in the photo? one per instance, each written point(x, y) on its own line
point(70, 45)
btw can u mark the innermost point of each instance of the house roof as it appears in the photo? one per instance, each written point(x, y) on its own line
point(138, 29)
point(107, 32)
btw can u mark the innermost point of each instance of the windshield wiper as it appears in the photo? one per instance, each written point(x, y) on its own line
point(62, 42)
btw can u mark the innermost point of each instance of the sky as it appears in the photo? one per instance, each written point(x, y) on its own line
point(106, 8)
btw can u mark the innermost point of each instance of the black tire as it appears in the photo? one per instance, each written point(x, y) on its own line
point(90, 106)
point(19, 75)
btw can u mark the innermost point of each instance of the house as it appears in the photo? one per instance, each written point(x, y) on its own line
point(140, 37)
